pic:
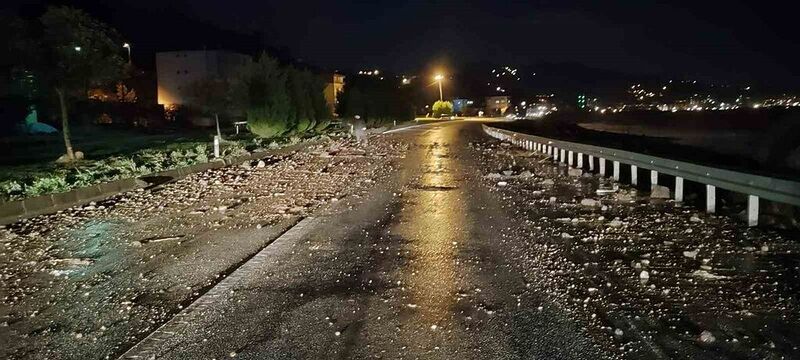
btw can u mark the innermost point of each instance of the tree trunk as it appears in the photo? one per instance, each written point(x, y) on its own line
point(65, 124)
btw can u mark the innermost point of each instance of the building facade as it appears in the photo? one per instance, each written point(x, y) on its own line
point(497, 105)
point(176, 71)
point(334, 84)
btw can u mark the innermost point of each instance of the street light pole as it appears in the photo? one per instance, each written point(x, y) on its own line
point(439, 78)
point(128, 46)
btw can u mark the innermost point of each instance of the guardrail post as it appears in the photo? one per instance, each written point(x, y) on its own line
point(678, 189)
point(591, 162)
point(602, 167)
point(752, 210)
point(580, 160)
point(711, 199)
point(569, 159)
point(653, 178)
point(634, 175)
point(563, 155)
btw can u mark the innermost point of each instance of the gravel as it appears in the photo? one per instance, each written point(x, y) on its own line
point(90, 281)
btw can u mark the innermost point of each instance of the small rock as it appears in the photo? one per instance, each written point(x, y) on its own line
point(590, 202)
point(659, 192)
point(690, 254)
point(606, 191)
point(704, 274)
point(574, 172)
point(502, 183)
point(707, 337)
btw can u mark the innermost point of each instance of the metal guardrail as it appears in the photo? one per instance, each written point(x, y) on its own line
point(768, 188)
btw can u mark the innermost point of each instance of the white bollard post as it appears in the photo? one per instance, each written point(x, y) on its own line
point(616, 170)
point(563, 155)
point(602, 167)
point(653, 178)
point(216, 146)
point(569, 159)
point(555, 153)
point(591, 162)
point(580, 160)
point(752, 210)
point(678, 189)
point(711, 199)
point(634, 175)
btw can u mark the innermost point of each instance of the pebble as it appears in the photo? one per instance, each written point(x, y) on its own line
point(707, 337)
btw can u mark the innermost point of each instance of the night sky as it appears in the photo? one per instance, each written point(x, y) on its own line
point(730, 41)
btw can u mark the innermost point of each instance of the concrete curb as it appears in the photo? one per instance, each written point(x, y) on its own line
point(12, 211)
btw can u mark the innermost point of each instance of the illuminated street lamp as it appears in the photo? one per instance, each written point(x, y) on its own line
point(439, 78)
point(128, 46)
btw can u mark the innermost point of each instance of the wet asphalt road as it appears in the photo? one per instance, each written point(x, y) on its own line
point(418, 269)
